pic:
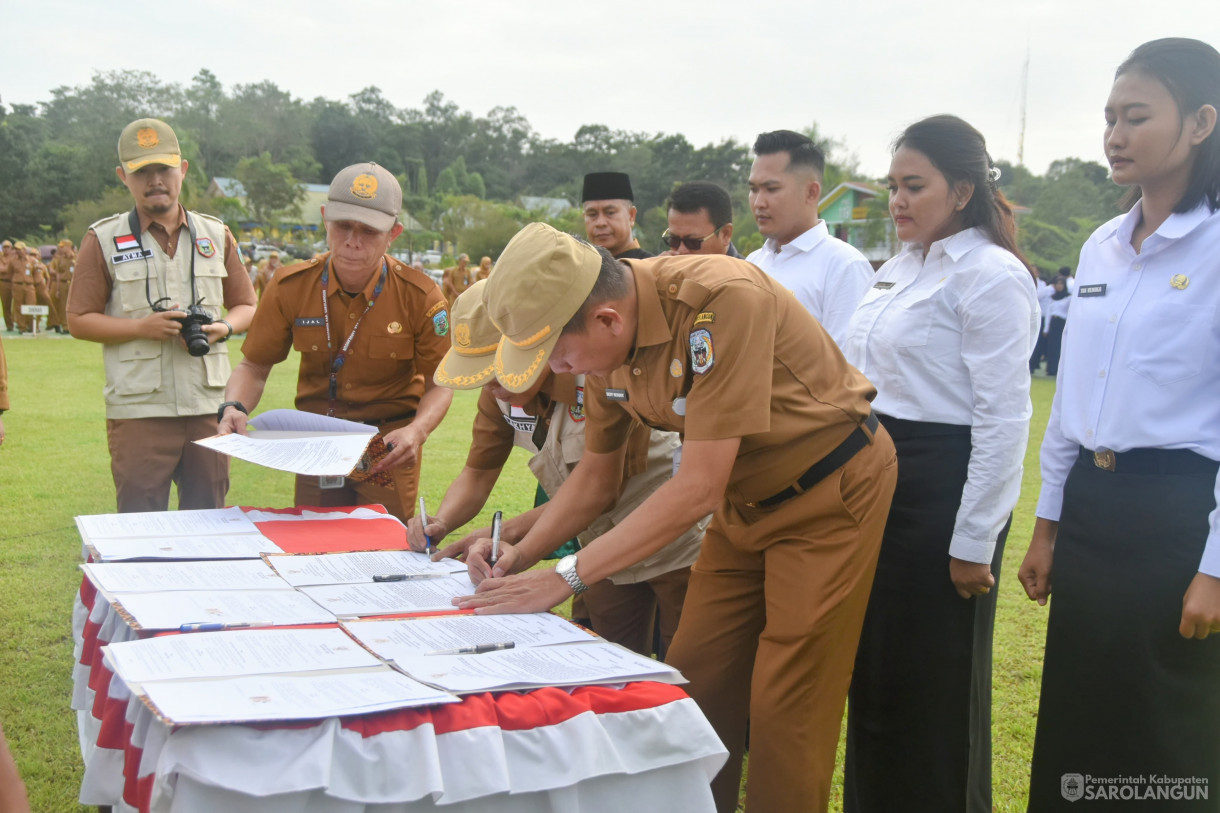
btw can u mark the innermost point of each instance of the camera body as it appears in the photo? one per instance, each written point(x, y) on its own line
point(192, 327)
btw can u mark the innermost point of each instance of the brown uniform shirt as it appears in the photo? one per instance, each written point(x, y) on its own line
point(91, 282)
point(492, 435)
point(723, 351)
point(6, 265)
point(404, 335)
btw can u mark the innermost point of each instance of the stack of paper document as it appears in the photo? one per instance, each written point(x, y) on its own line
point(300, 442)
point(430, 594)
point(261, 675)
point(144, 577)
point(174, 609)
point(546, 651)
point(359, 568)
point(218, 533)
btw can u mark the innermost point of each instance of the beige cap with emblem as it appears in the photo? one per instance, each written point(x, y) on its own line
point(540, 282)
point(471, 360)
point(148, 141)
point(366, 193)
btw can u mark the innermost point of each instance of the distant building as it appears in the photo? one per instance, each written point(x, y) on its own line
point(850, 217)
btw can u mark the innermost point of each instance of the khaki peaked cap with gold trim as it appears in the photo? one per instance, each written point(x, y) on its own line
point(471, 360)
point(539, 283)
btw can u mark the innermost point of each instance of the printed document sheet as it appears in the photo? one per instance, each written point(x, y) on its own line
point(171, 609)
point(413, 595)
point(358, 568)
point(300, 442)
point(398, 638)
point(144, 577)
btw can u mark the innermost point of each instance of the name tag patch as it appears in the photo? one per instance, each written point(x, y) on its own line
point(883, 286)
point(310, 321)
point(1091, 290)
point(128, 256)
point(616, 395)
point(521, 420)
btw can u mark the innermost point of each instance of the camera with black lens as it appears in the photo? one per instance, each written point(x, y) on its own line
point(192, 327)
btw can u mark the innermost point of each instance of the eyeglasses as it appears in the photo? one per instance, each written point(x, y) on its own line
point(692, 243)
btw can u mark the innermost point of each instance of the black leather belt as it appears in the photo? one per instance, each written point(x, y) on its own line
point(1151, 461)
point(406, 416)
point(818, 472)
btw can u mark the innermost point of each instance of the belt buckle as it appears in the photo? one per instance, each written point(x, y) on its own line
point(1104, 459)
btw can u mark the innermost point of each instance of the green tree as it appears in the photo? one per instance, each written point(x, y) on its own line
point(270, 188)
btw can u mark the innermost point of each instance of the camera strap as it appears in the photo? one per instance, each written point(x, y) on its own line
point(133, 223)
point(337, 360)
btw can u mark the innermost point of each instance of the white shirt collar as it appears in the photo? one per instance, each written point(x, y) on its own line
point(955, 246)
point(1175, 227)
point(806, 241)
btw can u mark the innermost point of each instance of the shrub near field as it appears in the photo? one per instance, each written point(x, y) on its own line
point(54, 465)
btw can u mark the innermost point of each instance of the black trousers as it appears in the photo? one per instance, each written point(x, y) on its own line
point(1054, 344)
point(919, 709)
point(1123, 693)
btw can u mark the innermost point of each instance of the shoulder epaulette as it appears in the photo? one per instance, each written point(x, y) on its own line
point(105, 220)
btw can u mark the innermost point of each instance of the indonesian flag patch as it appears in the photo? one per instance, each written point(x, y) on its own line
point(126, 243)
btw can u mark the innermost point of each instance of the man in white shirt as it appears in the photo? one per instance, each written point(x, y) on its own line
point(827, 275)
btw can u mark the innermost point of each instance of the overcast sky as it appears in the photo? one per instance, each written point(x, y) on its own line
point(710, 69)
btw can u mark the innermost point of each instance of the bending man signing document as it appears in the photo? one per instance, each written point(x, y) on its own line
point(547, 420)
point(367, 328)
point(779, 441)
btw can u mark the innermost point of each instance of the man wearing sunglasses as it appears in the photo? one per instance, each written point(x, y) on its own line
point(700, 221)
point(827, 275)
point(608, 205)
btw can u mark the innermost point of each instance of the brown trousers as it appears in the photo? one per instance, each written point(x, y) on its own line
point(624, 613)
point(770, 628)
point(147, 454)
point(24, 294)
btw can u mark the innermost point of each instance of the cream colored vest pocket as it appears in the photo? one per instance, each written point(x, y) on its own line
point(139, 367)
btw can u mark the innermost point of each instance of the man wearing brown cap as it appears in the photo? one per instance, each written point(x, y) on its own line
point(6, 284)
point(608, 205)
point(778, 440)
point(23, 272)
point(136, 274)
point(457, 278)
point(370, 330)
point(62, 265)
point(266, 270)
point(547, 420)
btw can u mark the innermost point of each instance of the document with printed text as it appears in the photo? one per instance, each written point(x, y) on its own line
point(300, 442)
point(146, 577)
point(359, 568)
point(399, 638)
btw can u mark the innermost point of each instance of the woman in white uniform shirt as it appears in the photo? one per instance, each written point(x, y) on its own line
point(945, 334)
point(1128, 532)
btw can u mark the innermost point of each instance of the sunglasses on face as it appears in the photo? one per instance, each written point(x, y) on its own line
point(692, 243)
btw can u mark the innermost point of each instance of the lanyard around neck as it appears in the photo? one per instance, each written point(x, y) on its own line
point(337, 360)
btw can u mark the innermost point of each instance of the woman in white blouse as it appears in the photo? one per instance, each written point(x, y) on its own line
point(945, 334)
point(1128, 530)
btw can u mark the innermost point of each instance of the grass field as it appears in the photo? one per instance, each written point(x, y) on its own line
point(54, 465)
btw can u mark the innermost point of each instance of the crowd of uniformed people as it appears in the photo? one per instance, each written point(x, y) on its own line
point(791, 476)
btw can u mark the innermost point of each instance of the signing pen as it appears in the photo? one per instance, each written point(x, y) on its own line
point(496, 521)
point(474, 650)
point(402, 577)
point(216, 626)
point(423, 518)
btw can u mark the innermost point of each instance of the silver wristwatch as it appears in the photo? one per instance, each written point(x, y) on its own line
point(567, 569)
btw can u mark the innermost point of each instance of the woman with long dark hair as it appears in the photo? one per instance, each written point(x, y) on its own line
point(1128, 531)
point(945, 334)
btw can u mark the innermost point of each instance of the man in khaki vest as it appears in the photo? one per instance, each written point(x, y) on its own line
point(136, 274)
point(548, 421)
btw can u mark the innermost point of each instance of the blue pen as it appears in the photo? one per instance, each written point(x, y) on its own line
point(423, 518)
point(216, 626)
